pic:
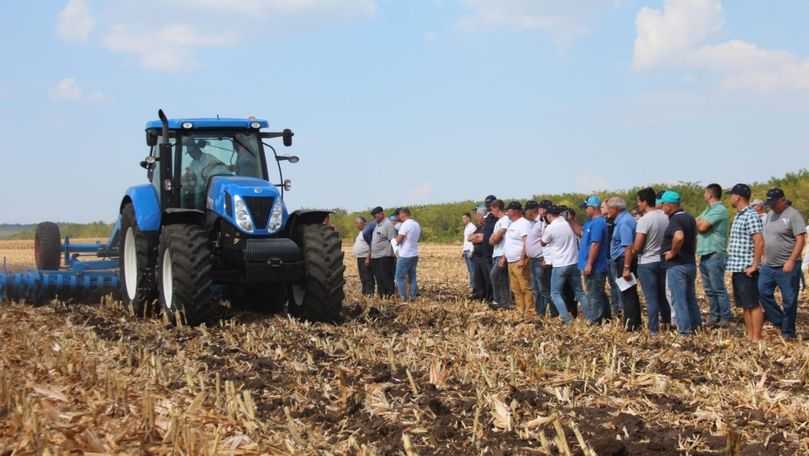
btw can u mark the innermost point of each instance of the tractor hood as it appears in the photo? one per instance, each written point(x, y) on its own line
point(254, 206)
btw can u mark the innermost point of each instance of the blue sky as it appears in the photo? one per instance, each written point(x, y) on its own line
point(404, 102)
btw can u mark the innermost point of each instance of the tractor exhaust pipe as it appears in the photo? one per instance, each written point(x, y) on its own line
point(165, 121)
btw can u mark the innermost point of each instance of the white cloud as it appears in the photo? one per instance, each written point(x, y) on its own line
point(678, 36)
point(430, 37)
point(563, 21)
point(68, 90)
point(75, 22)
point(419, 193)
point(587, 183)
point(171, 35)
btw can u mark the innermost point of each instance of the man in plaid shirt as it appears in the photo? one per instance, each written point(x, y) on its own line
point(745, 248)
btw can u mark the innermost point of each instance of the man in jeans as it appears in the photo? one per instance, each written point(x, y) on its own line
point(483, 279)
point(651, 268)
point(468, 248)
point(593, 262)
point(784, 238)
point(745, 248)
point(519, 265)
point(616, 301)
point(623, 238)
point(382, 260)
point(712, 244)
point(562, 244)
point(499, 272)
point(408, 241)
point(362, 250)
point(679, 249)
point(534, 251)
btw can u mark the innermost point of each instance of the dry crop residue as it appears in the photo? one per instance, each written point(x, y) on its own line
point(442, 376)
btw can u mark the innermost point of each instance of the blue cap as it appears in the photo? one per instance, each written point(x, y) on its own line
point(591, 201)
point(670, 197)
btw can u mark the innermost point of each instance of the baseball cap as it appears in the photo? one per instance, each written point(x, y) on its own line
point(670, 196)
point(591, 201)
point(376, 210)
point(531, 205)
point(515, 205)
point(742, 190)
point(562, 208)
point(488, 200)
point(396, 212)
point(545, 204)
point(773, 195)
point(554, 209)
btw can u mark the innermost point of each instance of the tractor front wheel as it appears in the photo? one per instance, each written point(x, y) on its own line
point(137, 252)
point(184, 274)
point(319, 297)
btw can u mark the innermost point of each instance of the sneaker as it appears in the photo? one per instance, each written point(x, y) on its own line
point(710, 324)
point(723, 324)
point(768, 325)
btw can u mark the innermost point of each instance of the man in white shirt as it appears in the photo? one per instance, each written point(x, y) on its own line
point(408, 241)
point(466, 252)
point(361, 252)
point(500, 288)
point(561, 242)
point(540, 269)
point(519, 265)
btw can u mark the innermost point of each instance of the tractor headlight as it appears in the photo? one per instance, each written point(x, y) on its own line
point(276, 216)
point(242, 215)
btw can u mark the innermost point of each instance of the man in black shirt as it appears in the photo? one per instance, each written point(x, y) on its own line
point(679, 247)
point(488, 230)
point(482, 289)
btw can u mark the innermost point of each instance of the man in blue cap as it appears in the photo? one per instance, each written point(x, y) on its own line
point(593, 260)
point(679, 249)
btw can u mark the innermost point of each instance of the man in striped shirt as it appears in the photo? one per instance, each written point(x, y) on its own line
point(745, 247)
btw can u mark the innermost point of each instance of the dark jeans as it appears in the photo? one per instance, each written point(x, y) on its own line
point(599, 308)
point(500, 285)
point(366, 277)
point(616, 300)
point(541, 285)
point(653, 283)
point(384, 269)
point(470, 267)
point(682, 282)
point(712, 269)
point(631, 319)
point(771, 277)
point(483, 279)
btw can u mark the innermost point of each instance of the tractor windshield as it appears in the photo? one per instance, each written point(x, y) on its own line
point(208, 154)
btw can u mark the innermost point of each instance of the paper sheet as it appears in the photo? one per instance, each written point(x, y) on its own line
point(624, 284)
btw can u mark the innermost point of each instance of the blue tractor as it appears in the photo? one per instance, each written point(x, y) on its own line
point(209, 225)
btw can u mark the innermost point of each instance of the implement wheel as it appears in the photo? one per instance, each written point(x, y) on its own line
point(137, 257)
point(320, 296)
point(184, 273)
point(48, 246)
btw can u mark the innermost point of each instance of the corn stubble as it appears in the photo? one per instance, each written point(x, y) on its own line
point(442, 376)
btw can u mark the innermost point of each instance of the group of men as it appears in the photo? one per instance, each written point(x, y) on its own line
point(540, 257)
point(387, 252)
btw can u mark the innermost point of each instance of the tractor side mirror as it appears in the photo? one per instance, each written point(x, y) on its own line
point(288, 137)
point(151, 139)
point(289, 158)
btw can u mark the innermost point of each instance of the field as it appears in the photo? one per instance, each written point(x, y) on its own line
point(442, 376)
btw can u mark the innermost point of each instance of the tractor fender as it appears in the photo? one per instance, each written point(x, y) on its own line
point(304, 217)
point(147, 207)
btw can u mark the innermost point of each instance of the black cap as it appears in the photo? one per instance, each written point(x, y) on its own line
point(562, 208)
point(396, 212)
point(515, 205)
point(545, 204)
point(554, 209)
point(773, 195)
point(376, 210)
point(488, 200)
point(531, 205)
point(742, 190)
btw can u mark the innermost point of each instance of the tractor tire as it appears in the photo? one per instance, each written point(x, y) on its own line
point(137, 257)
point(319, 297)
point(269, 299)
point(184, 274)
point(48, 246)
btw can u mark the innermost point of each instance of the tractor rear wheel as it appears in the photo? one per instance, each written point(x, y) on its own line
point(184, 273)
point(137, 253)
point(48, 246)
point(320, 295)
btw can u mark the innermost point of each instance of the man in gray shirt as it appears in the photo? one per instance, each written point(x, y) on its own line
point(651, 269)
point(383, 261)
point(784, 238)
